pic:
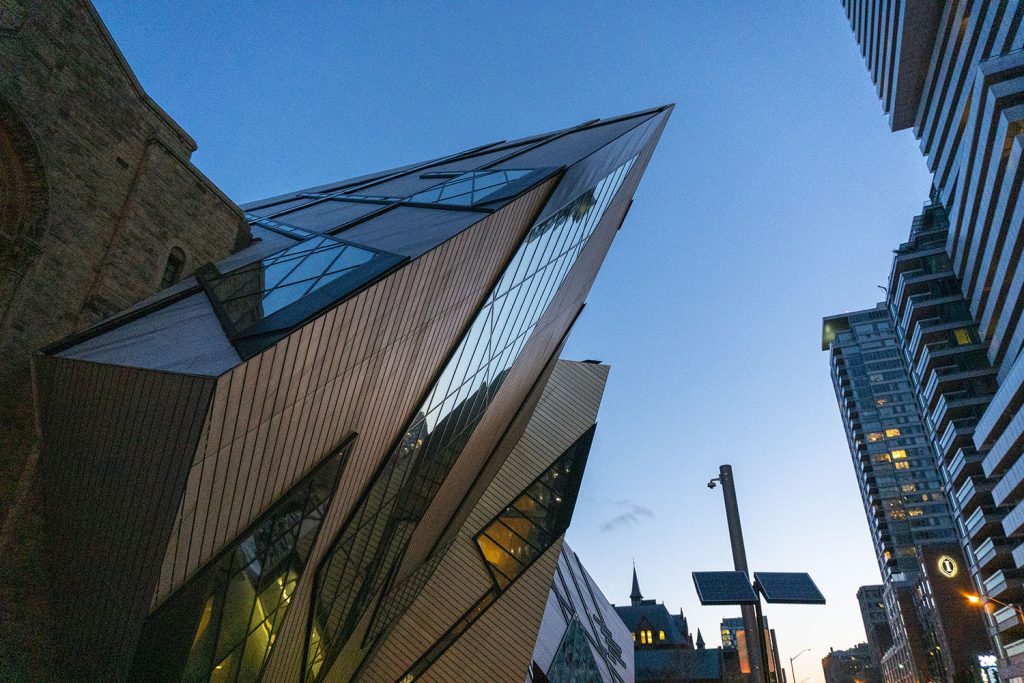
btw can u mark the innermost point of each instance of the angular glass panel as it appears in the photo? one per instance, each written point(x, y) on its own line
point(525, 529)
point(221, 625)
point(414, 471)
point(469, 188)
point(574, 660)
point(247, 299)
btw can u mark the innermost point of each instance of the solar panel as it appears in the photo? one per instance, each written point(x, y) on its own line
point(723, 588)
point(796, 588)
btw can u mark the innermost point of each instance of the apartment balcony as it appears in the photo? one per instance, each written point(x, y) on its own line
point(914, 283)
point(1006, 451)
point(950, 378)
point(928, 331)
point(1018, 555)
point(924, 306)
point(1000, 410)
point(964, 463)
point(956, 405)
point(941, 353)
point(983, 521)
point(1007, 622)
point(1004, 585)
point(1009, 488)
point(1013, 522)
point(974, 492)
point(956, 437)
point(907, 262)
point(994, 553)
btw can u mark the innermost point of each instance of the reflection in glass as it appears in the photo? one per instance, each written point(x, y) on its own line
point(574, 660)
point(220, 627)
point(511, 542)
point(363, 555)
point(468, 189)
point(258, 290)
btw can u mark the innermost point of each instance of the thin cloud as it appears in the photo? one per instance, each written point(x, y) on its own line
point(632, 514)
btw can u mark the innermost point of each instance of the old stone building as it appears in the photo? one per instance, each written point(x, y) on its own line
point(100, 206)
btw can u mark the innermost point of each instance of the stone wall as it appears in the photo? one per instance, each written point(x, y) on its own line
point(98, 189)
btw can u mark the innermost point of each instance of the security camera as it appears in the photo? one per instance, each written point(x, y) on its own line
point(711, 484)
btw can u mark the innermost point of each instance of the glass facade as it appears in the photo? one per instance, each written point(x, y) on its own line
point(574, 661)
point(283, 289)
point(367, 550)
point(506, 559)
point(220, 627)
point(470, 188)
point(528, 527)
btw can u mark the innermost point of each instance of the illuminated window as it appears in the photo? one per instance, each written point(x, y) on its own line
point(909, 488)
point(902, 465)
point(875, 436)
point(892, 432)
point(661, 635)
point(887, 555)
point(882, 457)
point(881, 402)
point(634, 636)
point(899, 454)
point(963, 337)
point(915, 512)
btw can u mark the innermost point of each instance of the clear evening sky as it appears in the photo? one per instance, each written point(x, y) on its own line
point(775, 197)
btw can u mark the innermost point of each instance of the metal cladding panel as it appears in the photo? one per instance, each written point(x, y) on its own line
point(499, 646)
point(567, 407)
point(358, 368)
point(379, 391)
point(324, 215)
point(117, 444)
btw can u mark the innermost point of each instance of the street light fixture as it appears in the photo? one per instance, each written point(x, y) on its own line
point(984, 599)
point(792, 669)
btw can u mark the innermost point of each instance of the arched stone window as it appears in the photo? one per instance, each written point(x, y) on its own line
point(173, 268)
point(24, 198)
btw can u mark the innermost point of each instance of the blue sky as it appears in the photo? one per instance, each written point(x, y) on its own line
point(774, 198)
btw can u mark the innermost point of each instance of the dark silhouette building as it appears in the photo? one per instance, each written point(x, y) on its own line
point(664, 650)
point(854, 665)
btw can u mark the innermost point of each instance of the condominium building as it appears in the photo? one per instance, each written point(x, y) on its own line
point(876, 623)
point(953, 71)
point(901, 488)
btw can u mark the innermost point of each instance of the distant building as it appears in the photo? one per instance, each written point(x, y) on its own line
point(581, 637)
point(734, 639)
point(664, 650)
point(854, 665)
point(876, 623)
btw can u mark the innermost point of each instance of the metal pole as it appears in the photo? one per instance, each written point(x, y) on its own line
point(751, 624)
point(762, 641)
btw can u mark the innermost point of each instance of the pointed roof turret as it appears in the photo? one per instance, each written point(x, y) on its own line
point(635, 596)
point(700, 640)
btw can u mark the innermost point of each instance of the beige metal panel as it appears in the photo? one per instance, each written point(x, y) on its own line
point(567, 408)
point(498, 648)
point(377, 404)
point(334, 376)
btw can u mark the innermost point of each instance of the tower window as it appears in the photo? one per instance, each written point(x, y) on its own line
point(661, 635)
point(172, 269)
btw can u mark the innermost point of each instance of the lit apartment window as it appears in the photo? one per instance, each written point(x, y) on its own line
point(875, 436)
point(661, 635)
point(915, 512)
point(909, 488)
point(899, 454)
point(963, 337)
point(881, 402)
point(892, 432)
point(902, 465)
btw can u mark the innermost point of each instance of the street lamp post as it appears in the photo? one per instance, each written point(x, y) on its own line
point(983, 599)
point(792, 669)
point(757, 654)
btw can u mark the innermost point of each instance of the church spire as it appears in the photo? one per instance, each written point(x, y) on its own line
point(635, 595)
point(700, 640)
